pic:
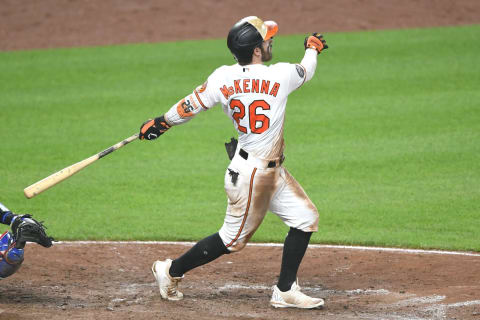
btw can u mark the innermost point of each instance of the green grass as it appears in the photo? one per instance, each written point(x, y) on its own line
point(385, 139)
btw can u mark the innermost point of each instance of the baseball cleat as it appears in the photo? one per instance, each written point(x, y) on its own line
point(294, 298)
point(167, 284)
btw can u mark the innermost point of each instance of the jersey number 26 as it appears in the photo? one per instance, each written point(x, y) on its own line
point(254, 119)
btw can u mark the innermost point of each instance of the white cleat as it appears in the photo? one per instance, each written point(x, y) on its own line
point(167, 284)
point(294, 298)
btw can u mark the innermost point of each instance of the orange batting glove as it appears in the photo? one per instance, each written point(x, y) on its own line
point(315, 41)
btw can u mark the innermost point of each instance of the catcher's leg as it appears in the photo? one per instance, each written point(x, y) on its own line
point(10, 257)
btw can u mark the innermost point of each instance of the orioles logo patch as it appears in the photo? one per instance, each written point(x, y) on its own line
point(203, 87)
point(300, 71)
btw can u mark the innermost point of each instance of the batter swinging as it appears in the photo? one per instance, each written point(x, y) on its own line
point(254, 96)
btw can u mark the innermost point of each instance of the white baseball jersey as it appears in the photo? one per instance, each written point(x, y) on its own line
point(254, 97)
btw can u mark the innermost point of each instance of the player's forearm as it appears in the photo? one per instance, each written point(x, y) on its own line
point(179, 113)
point(309, 62)
point(6, 216)
point(185, 109)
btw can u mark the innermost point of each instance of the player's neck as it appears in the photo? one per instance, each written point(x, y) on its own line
point(256, 60)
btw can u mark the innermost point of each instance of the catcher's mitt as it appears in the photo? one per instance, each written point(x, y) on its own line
point(25, 228)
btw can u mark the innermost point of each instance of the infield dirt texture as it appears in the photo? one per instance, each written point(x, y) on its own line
point(113, 281)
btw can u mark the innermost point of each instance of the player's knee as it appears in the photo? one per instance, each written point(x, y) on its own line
point(315, 218)
point(14, 256)
point(237, 246)
point(11, 258)
point(310, 222)
point(232, 244)
point(10, 262)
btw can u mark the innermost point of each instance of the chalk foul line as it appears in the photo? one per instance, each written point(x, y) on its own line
point(314, 246)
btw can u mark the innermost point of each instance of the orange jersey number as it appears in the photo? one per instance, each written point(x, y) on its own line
point(238, 114)
point(254, 119)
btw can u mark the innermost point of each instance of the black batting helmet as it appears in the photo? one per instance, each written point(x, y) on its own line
point(247, 34)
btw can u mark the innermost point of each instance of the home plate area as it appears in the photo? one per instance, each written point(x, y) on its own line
point(112, 280)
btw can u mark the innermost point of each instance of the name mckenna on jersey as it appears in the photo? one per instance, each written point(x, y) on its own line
point(250, 86)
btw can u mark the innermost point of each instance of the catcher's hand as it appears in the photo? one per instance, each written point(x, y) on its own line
point(315, 41)
point(25, 228)
point(152, 129)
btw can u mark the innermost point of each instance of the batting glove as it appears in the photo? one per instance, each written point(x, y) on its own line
point(315, 41)
point(152, 129)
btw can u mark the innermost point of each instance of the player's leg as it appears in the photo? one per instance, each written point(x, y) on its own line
point(10, 257)
point(294, 207)
point(203, 252)
point(213, 246)
point(244, 214)
point(169, 273)
point(249, 195)
point(294, 248)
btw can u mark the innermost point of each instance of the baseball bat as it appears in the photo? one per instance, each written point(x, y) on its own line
point(59, 176)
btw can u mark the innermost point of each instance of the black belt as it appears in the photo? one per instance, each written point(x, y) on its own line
point(271, 164)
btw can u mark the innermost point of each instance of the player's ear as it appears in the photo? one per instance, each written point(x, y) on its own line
point(257, 52)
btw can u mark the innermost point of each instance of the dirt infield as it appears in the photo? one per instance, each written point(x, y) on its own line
point(30, 24)
point(113, 281)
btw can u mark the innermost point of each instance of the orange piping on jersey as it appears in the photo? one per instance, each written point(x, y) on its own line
point(200, 100)
point(246, 210)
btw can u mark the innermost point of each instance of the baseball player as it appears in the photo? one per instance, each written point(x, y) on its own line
point(254, 97)
point(24, 229)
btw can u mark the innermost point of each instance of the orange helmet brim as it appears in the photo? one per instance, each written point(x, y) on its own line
point(272, 29)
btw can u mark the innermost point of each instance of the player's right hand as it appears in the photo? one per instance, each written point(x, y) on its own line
point(152, 129)
point(315, 41)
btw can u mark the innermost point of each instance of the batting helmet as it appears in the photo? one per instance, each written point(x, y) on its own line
point(248, 34)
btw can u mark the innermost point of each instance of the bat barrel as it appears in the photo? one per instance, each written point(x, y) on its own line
point(57, 177)
point(53, 179)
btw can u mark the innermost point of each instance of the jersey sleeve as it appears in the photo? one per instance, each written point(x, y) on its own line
point(302, 72)
point(185, 109)
point(201, 99)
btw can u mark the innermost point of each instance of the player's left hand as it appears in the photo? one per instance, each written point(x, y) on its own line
point(315, 41)
point(152, 129)
point(25, 228)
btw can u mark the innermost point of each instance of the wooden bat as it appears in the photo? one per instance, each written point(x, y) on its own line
point(50, 181)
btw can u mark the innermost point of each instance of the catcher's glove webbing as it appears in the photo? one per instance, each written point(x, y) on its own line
point(25, 228)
